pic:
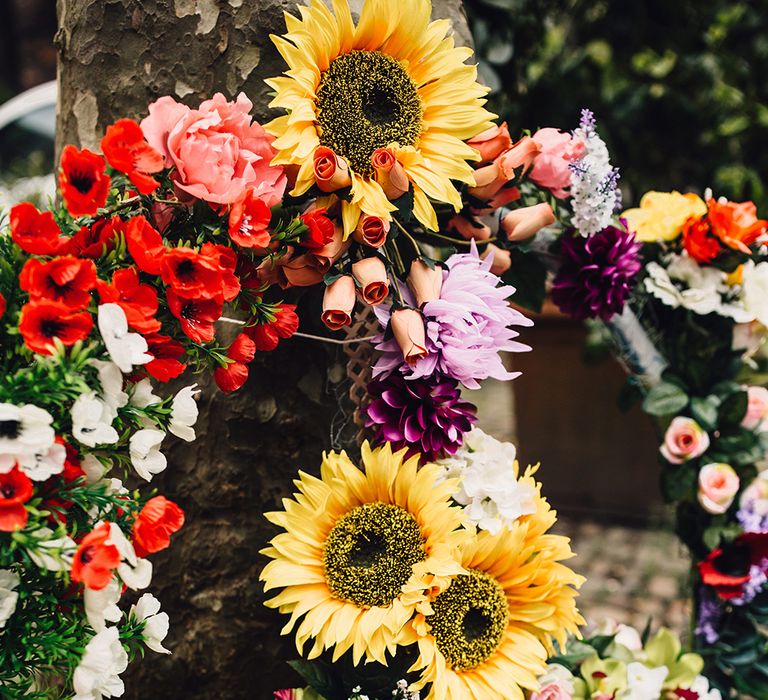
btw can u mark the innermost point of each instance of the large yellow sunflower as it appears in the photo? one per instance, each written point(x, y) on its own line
point(487, 633)
point(393, 81)
point(353, 539)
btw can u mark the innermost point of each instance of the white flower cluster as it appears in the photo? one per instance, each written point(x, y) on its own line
point(27, 439)
point(491, 495)
point(682, 282)
point(594, 191)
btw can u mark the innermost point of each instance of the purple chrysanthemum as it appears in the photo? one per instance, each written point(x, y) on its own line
point(427, 415)
point(709, 616)
point(597, 273)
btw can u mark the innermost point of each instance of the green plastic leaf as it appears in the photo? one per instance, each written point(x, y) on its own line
point(704, 411)
point(665, 399)
point(733, 408)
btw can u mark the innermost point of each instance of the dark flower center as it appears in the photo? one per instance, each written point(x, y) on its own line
point(81, 181)
point(51, 327)
point(185, 269)
point(370, 552)
point(86, 556)
point(366, 100)
point(9, 429)
point(735, 560)
point(7, 490)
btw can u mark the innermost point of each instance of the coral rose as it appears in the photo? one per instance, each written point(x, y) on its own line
point(551, 168)
point(371, 275)
point(757, 408)
point(685, 439)
point(718, 486)
point(338, 302)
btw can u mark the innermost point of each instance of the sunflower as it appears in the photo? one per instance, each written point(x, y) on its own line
point(352, 540)
point(487, 633)
point(395, 81)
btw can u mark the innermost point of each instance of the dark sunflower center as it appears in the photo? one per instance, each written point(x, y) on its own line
point(9, 429)
point(366, 100)
point(370, 552)
point(470, 619)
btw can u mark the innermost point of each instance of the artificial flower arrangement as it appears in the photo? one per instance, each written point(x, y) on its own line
point(622, 664)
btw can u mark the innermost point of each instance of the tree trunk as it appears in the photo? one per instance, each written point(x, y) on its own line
point(115, 57)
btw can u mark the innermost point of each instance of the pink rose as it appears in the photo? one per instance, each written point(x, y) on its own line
point(685, 439)
point(718, 485)
point(551, 168)
point(552, 691)
point(757, 408)
point(217, 149)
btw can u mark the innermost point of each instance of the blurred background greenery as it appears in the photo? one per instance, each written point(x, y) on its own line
point(679, 87)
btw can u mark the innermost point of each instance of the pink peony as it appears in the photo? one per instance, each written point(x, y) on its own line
point(551, 168)
point(552, 691)
point(757, 408)
point(685, 439)
point(718, 485)
point(218, 150)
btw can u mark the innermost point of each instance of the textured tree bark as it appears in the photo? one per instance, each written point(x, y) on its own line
point(116, 56)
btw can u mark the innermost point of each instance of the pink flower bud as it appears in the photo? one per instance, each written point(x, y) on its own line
point(371, 276)
point(338, 302)
point(390, 174)
point(718, 485)
point(410, 334)
point(521, 155)
point(322, 258)
point(425, 282)
point(492, 142)
point(469, 227)
point(371, 231)
point(685, 439)
point(331, 171)
point(522, 224)
point(502, 259)
point(757, 408)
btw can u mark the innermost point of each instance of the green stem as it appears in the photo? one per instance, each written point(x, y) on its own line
point(457, 241)
point(413, 241)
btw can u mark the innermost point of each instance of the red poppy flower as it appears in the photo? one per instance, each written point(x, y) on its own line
point(83, 180)
point(15, 491)
point(66, 279)
point(231, 377)
point(736, 223)
point(249, 220)
point(166, 351)
point(698, 240)
point(157, 521)
point(72, 468)
point(320, 229)
point(284, 324)
point(126, 150)
point(96, 240)
point(727, 569)
point(145, 245)
point(139, 301)
point(42, 321)
point(226, 261)
point(35, 232)
point(190, 274)
point(96, 559)
point(243, 349)
point(196, 316)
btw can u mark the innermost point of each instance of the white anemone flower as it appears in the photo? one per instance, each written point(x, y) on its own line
point(144, 448)
point(156, 623)
point(92, 421)
point(24, 430)
point(184, 413)
point(98, 673)
point(125, 348)
point(9, 582)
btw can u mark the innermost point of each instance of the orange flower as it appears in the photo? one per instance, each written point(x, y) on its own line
point(126, 150)
point(410, 334)
point(331, 172)
point(736, 223)
point(524, 223)
point(699, 242)
point(371, 276)
point(96, 559)
point(371, 231)
point(425, 282)
point(338, 302)
point(158, 520)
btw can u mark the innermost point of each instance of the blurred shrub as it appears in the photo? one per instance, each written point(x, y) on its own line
point(679, 87)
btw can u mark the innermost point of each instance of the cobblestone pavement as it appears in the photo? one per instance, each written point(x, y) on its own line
point(632, 574)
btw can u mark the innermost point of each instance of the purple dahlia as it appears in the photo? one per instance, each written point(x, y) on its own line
point(425, 414)
point(597, 273)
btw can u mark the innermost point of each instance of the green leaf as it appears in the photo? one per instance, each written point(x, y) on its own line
point(528, 275)
point(704, 411)
point(316, 674)
point(678, 482)
point(733, 408)
point(665, 399)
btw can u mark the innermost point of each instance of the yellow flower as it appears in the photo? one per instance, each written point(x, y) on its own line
point(487, 633)
point(352, 541)
point(393, 81)
point(661, 215)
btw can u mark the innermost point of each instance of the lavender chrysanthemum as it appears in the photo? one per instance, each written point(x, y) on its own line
point(467, 327)
point(427, 415)
point(597, 273)
point(709, 616)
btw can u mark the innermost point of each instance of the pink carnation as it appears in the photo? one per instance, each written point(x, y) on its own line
point(218, 151)
point(551, 168)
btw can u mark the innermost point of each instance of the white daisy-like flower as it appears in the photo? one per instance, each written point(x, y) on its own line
point(111, 380)
point(701, 686)
point(143, 395)
point(43, 465)
point(755, 291)
point(24, 430)
point(49, 552)
point(156, 623)
point(98, 673)
point(643, 683)
point(9, 582)
point(125, 348)
point(92, 421)
point(136, 573)
point(184, 413)
point(101, 606)
point(144, 448)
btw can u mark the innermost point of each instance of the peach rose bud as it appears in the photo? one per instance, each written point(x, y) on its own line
point(425, 282)
point(492, 142)
point(371, 276)
point(685, 439)
point(410, 334)
point(524, 223)
point(371, 231)
point(488, 181)
point(338, 302)
point(718, 486)
point(502, 259)
point(469, 227)
point(331, 171)
point(756, 416)
point(301, 272)
point(323, 258)
point(522, 154)
point(390, 174)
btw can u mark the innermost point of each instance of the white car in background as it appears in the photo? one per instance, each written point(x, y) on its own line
point(27, 134)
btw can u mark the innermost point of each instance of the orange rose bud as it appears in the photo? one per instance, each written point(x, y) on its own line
point(492, 142)
point(322, 258)
point(371, 231)
point(522, 224)
point(522, 154)
point(338, 302)
point(331, 171)
point(390, 174)
point(410, 334)
point(488, 181)
point(502, 259)
point(469, 227)
point(425, 282)
point(301, 272)
point(371, 277)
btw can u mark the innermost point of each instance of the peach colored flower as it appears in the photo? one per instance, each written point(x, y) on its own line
point(322, 258)
point(409, 331)
point(757, 408)
point(469, 227)
point(371, 276)
point(338, 302)
point(371, 231)
point(685, 439)
point(557, 150)
point(718, 486)
point(425, 282)
point(502, 259)
point(301, 271)
point(492, 142)
point(488, 181)
point(521, 155)
point(525, 222)
point(390, 174)
point(331, 172)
